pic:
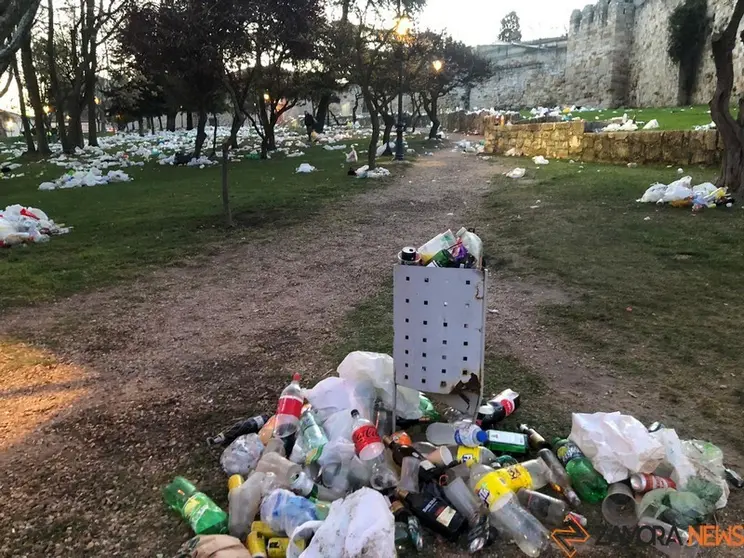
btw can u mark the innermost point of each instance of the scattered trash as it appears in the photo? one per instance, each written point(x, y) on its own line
point(680, 171)
point(632, 165)
point(647, 218)
point(305, 167)
point(351, 156)
point(27, 225)
point(681, 193)
point(516, 173)
point(540, 160)
point(92, 177)
point(651, 125)
point(327, 475)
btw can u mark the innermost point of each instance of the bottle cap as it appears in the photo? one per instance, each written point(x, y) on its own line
point(296, 377)
point(234, 482)
point(481, 436)
point(355, 413)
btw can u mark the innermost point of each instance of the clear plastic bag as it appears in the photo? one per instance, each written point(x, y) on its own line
point(241, 457)
point(284, 511)
point(708, 462)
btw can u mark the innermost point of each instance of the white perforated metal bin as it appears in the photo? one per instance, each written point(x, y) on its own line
point(439, 317)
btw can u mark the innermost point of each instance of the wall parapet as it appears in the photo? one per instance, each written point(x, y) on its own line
point(568, 140)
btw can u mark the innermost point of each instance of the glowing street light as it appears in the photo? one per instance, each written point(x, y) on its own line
point(267, 97)
point(437, 64)
point(47, 109)
point(97, 100)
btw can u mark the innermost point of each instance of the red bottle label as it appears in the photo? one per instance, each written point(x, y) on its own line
point(289, 406)
point(508, 406)
point(363, 436)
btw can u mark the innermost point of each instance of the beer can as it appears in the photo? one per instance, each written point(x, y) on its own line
point(643, 482)
point(256, 545)
point(409, 256)
point(277, 547)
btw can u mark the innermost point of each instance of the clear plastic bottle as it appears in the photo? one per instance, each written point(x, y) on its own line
point(506, 514)
point(245, 499)
point(367, 441)
point(460, 433)
point(289, 408)
point(280, 466)
point(313, 436)
point(551, 511)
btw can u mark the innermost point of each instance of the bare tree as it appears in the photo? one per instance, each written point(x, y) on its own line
point(16, 19)
point(731, 129)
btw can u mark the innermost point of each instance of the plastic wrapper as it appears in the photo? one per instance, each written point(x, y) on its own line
point(378, 369)
point(516, 173)
point(360, 525)
point(540, 160)
point(305, 168)
point(618, 445)
point(284, 511)
point(675, 457)
point(679, 508)
point(707, 459)
point(242, 455)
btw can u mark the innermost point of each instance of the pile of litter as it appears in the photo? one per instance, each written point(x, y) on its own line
point(651, 125)
point(468, 147)
point(26, 225)
point(705, 127)
point(379, 172)
point(358, 466)
point(628, 126)
point(681, 193)
point(91, 177)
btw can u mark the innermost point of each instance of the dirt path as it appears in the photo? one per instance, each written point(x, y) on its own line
point(161, 363)
point(132, 379)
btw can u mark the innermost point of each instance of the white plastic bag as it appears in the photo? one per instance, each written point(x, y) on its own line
point(540, 160)
point(705, 189)
point(305, 167)
point(708, 462)
point(351, 157)
point(516, 173)
point(674, 456)
point(653, 194)
point(678, 190)
point(378, 368)
point(360, 525)
point(651, 125)
point(334, 394)
point(618, 445)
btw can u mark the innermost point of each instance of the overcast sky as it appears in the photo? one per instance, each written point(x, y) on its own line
point(478, 22)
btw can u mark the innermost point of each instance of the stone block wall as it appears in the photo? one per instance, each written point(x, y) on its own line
point(567, 140)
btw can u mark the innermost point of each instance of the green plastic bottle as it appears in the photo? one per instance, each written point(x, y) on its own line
point(587, 482)
point(204, 516)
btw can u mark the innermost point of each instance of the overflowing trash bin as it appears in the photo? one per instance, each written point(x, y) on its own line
point(360, 466)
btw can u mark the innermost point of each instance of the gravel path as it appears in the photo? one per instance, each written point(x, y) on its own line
point(156, 365)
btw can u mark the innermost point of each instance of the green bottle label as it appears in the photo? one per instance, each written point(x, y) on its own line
point(506, 441)
point(567, 451)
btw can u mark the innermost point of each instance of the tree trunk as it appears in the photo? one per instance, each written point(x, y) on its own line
point(201, 135)
point(91, 67)
point(189, 120)
point(30, 147)
point(75, 128)
point(731, 131)
point(237, 123)
point(214, 135)
point(389, 121)
point(141, 126)
point(170, 121)
point(354, 109)
point(32, 86)
point(431, 111)
point(225, 190)
point(151, 124)
point(375, 122)
point(322, 114)
point(54, 87)
point(160, 123)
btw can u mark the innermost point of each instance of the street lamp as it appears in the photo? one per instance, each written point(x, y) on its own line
point(402, 27)
point(437, 64)
point(267, 97)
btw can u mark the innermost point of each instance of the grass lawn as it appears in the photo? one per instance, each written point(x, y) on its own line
point(165, 213)
point(673, 118)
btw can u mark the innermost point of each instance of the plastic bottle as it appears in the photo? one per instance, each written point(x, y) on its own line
point(313, 436)
point(240, 428)
point(203, 515)
point(267, 430)
point(303, 485)
point(558, 477)
point(497, 409)
point(465, 502)
point(588, 483)
point(367, 441)
point(434, 513)
point(289, 408)
point(381, 476)
point(512, 521)
point(280, 466)
point(443, 241)
point(460, 433)
point(473, 244)
point(240, 517)
point(550, 511)
point(471, 456)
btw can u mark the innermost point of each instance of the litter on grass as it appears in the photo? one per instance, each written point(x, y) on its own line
point(681, 193)
point(540, 160)
point(516, 173)
point(91, 177)
point(305, 168)
point(27, 225)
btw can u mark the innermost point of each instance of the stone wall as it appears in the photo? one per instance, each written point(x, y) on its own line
point(528, 74)
point(615, 55)
point(567, 140)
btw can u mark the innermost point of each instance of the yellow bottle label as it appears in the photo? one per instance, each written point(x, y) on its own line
point(256, 545)
point(469, 456)
point(491, 487)
point(516, 476)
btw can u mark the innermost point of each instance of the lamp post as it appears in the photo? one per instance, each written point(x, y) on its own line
point(403, 26)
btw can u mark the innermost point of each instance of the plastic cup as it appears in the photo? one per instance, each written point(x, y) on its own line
point(620, 508)
point(409, 474)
